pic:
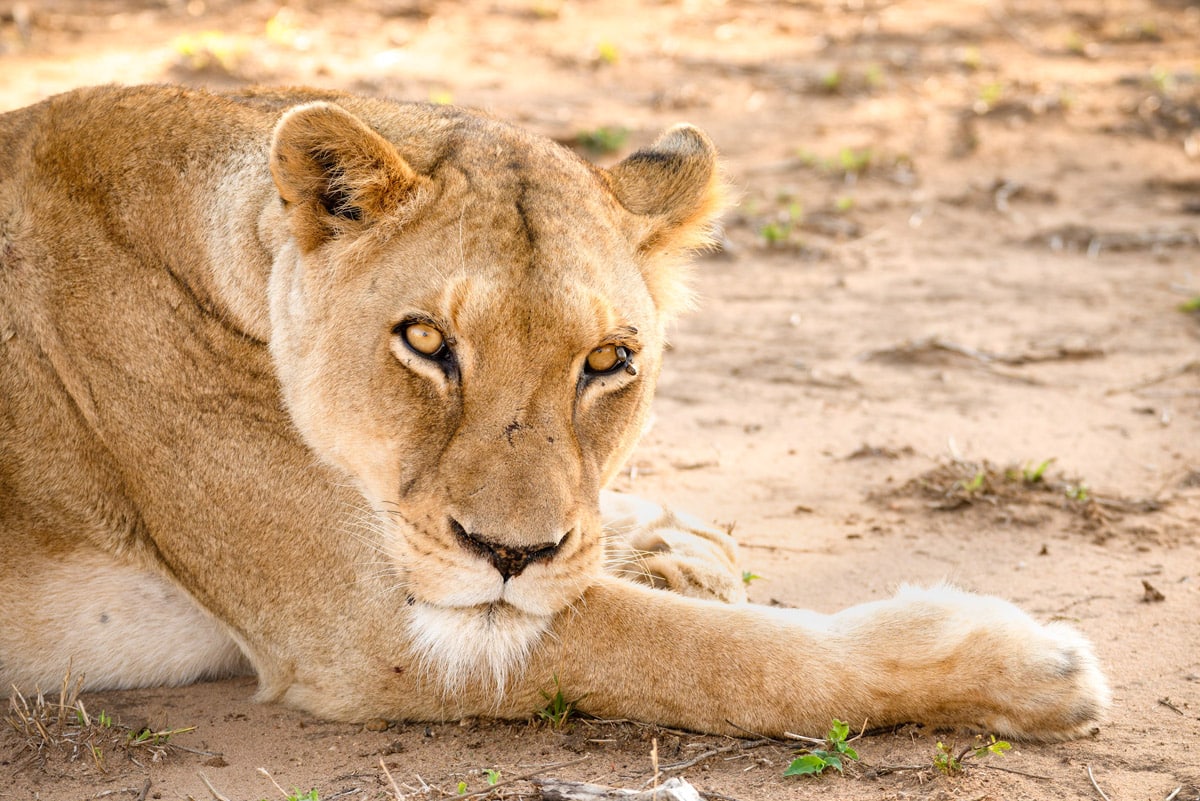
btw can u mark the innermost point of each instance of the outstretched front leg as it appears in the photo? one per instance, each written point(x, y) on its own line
point(670, 550)
point(936, 656)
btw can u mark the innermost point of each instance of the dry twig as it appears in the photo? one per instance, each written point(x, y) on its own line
point(1098, 790)
point(523, 778)
point(395, 788)
point(213, 790)
point(1167, 703)
point(740, 745)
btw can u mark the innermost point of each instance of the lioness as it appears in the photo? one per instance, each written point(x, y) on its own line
point(329, 388)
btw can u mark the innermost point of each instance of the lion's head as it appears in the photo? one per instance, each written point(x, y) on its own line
point(468, 321)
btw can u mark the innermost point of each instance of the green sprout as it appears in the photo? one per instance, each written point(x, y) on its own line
point(818, 760)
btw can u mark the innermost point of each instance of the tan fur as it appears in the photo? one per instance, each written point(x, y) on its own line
point(217, 451)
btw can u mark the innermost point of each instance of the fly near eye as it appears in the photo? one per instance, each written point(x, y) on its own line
point(424, 339)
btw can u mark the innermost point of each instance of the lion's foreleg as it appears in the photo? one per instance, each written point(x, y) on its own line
point(936, 656)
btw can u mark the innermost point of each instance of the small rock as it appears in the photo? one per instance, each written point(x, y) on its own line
point(377, 724)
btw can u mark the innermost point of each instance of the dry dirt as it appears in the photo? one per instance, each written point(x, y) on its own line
point(965, 235)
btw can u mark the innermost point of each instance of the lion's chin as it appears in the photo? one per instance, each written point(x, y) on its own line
point(473, 647)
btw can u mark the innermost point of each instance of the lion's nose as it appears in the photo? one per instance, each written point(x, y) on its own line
point(509, 560)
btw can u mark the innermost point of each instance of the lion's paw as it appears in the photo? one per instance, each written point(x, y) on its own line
point(1056, 691)
point(1015, 676)
point(670, 550)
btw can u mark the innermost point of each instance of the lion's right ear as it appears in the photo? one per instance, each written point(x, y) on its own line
point(675, 191)
point(335, 174)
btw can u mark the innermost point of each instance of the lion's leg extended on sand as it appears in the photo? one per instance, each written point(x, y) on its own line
point(938, 655)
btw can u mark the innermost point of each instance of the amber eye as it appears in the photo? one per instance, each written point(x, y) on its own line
point(424, 339)
point(609, 359)
point(603, 359)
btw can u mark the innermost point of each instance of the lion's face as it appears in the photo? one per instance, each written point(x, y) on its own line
point(476, 346)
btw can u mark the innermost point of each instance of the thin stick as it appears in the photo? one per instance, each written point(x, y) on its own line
point(1174, 793)
point(1167, 703)
point(267, 773)
point(1098, 790)
point(883, 770)
point(145, 791)
point(523, 777)
point(709, 795)
point(190, 750)
point(215, 792)
point(1010, 770)
point(740, 745)
point(1190, 367)
point(388, 773)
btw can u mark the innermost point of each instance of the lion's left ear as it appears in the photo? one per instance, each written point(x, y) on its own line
point(676, 190)
point(335, 173)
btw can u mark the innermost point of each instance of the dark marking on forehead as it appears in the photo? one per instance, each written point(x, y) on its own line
point(524, 216)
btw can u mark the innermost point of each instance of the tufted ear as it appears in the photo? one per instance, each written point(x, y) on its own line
point(676, 190)
point(335, 174)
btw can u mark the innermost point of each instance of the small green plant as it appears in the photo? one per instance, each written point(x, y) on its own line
point(817, 760)
point(558, 709)
point(608, 53)
point(874, 76)
point(974, 484)
point(1078, 492)
point(97, 756)
point(1147, 30)
point(843, 204)
point(948, 762)
point(831, 81)
point(991, 94)
point(547, 9)
point(149, 737)
point(462, 788)
point(492, 776)
point(971, 58)
point(210, 51)
point(311, 795)
point(294, 795)
point(1191, 305)
point(855, 161)
point(779, 230)
point(1164, 81)
point(1035, 475)
point(748, 576)
point(775, 232)
point(605, 139)
point(945, 761)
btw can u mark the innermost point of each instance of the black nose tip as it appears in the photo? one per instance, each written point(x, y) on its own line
point(509, 560)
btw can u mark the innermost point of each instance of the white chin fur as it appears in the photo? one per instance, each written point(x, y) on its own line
point(473, 646)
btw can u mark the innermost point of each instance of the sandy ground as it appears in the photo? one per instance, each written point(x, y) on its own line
point(965, 234)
